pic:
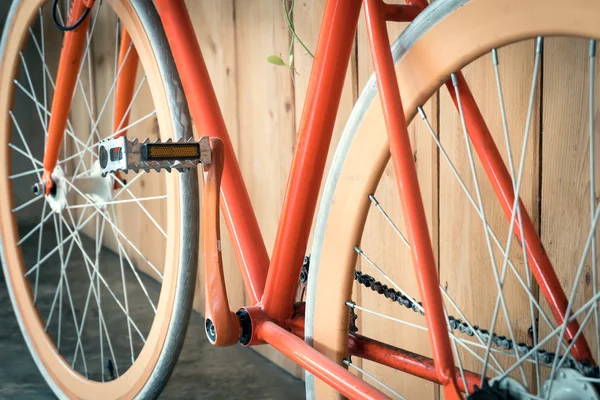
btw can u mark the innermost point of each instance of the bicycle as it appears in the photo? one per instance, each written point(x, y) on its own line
point(321, 334)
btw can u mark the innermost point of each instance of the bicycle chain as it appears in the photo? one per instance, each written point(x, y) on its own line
point(501, 341)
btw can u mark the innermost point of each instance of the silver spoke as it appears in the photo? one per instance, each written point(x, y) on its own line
point(119, 231)
point(354, 305)
point(118, 202)
point(26, 173)
point(102, 109)
point(39, 249)
point(592, 75)
point(466, 320)
point(37, 227)
point(348, 363)
point(467, 193)
point(67, 258)
point(590, 303)
point(390, 280)
point(33, 160)
point(51, 252)
point(126, 297)
point(27, 203)
point(89, 264)
point(27, 153)
point(133, 269)
point(128, 110)
point(496, 63)
point(499, 286)
point(37, 108)
point(580, 267)
point(388, 219)
point(579, 332)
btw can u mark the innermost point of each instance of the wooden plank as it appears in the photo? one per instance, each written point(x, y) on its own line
point(565, 202)
point(214, 24)
point(266, 113)
point(131, 219)
point(382, 244)
point(465, 263)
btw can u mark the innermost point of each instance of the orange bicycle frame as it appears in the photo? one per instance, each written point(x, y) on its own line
point(271, 284)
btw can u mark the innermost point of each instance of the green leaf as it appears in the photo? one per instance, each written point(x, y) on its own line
point(276, 60)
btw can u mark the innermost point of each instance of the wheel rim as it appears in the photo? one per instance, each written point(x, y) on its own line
point(345, 210)
point(73, 382)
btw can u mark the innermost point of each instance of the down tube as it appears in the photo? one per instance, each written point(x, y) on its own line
point(334, 47)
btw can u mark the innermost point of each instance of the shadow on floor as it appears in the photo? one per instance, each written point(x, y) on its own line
point(202, 372)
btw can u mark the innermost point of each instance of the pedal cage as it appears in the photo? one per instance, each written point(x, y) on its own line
point(121, 154)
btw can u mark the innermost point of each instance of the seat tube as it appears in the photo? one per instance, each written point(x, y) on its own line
point(412, 204)
point(66, 79)
point(332, 57)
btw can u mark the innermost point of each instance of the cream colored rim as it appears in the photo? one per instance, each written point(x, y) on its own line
point(443, 45)
point(71, 383)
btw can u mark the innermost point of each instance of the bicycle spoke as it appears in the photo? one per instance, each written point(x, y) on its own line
point(67, 258)
point(99, 226)
point(27, 203)
point(26, 173)
point(126, 297)
point(577, 334)
point(137, 276)
point(466, 320)
point(589, 304)
point(388, 219)
point(141, 206)
point(60, 284)
point(39, 249)
point(51, 252)
point(499, 282)
point(37, 108)
point(354, 305)
point(363, 255)
point(119, 231)
point(90, 264)
point(495, 61)
point(348, 363)
point(118, 202)
point(36, 228)
point(592, 74)
point(27, 152)
point(103, 108)
point(494, 237)
point(580, 267)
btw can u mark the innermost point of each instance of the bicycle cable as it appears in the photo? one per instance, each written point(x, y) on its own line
point(63, 27)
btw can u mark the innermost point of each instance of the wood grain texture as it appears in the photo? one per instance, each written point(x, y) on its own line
point(565, 180)
point(214, 23)
point(266, 118)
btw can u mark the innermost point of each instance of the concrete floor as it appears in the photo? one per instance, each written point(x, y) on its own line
point(202, 372)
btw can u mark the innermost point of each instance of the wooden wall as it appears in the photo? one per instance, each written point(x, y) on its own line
point(262, 104)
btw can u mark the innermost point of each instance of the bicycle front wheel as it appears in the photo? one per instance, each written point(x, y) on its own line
point(101, 274)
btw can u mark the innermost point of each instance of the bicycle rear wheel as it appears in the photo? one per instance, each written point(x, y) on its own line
point(449, 36)
point(101, 274)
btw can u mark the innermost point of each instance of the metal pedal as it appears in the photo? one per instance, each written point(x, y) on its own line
point(121, 154)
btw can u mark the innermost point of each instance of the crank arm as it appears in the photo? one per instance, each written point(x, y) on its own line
point(121, 154)
point(222, 325)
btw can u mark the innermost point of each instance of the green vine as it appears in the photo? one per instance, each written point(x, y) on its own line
point(288, 7)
